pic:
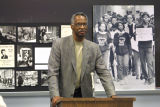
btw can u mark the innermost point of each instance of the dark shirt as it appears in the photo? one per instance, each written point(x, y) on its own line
point(4, 57)
point(122, 44)
point(103, 41)
point(20, 80)
point(131, 33)
point(114, 27)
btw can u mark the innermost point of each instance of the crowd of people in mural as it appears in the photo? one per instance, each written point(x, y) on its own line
point(127, 44)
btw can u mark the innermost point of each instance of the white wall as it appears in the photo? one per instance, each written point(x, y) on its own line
point(147, 101)
point(27, 101)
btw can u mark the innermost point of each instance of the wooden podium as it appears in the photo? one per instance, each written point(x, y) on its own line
point(97, 102)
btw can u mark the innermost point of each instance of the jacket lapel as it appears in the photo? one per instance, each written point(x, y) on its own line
point(84, 58)
point(72, 53)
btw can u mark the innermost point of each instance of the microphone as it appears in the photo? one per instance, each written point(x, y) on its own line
point(93, 87)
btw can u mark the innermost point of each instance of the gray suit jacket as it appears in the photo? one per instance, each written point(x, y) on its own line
point(62, 69)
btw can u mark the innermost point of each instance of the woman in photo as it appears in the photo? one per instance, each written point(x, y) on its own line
point(103, 39)
point(123, 50)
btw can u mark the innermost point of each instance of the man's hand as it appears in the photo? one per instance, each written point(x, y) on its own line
point(56, 100)
point(113, 96)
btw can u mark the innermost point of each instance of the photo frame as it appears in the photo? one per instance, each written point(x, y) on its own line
point(107, 23)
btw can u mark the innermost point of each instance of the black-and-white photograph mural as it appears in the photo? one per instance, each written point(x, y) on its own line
point(46, 34)
point(27, 34)
point(26, 78)
point(24, 56)
point(7, 56)
point(125, 35)
point(44, 81)
point(7, 34)
point(7, 80)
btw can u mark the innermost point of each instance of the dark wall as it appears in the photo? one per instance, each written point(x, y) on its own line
point(60, 11)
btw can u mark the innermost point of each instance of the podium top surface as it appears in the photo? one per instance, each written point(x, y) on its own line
point(99, 99)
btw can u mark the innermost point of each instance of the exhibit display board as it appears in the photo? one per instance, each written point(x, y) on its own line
point(26, 39)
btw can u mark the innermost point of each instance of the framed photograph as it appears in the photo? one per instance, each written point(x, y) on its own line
point(7, 56)
point(46, 34)
point(24, 56)
point(7, 34)
point(44, 81)
point(26, 78)
point(7, 80)
point(41, 58)
point(27, 34)
point(42, 55)
point(125, 35)
point(66, 30)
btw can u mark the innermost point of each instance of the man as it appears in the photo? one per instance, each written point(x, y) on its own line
point(146, 51)
point(71, 62)
point(114, 23)
point(20, 80)
point(4, 56)
point(130, 28)
point(106, 18)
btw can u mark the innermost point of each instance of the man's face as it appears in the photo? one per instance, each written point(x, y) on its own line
point(114, 20)
point(106, 19)
point(79, 27)
point(129, 18)
point(3, 52)
point(146, 19)
point(120, 26)
point(102, 27)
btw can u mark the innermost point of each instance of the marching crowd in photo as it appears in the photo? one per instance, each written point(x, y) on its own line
point(127, 44)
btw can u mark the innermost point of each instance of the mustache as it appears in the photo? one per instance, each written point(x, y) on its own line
point(82, 30)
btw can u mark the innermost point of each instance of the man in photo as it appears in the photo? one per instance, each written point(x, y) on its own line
point(146, 51)
point(4, 56)
point(20, 80)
